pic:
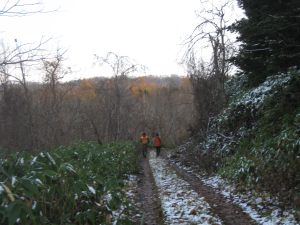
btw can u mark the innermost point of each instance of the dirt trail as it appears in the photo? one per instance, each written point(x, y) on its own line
point(152, 214)
point(229, 213)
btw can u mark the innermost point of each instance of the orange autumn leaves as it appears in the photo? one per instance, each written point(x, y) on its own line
point(141, 87)
point(86, 89)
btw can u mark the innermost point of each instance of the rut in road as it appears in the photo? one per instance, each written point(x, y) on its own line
point(230, 214)
point(181, 205)
point(170, 195)
point(152, 214)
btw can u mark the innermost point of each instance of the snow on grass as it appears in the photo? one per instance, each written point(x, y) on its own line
point(33, 160)
point(253, 99)
point(1, 189)
point(130, 209)
point(261, 209)
point(181, 205)
point(131, 191)
point(257, 95)
point(13, 181)
point(91, 189)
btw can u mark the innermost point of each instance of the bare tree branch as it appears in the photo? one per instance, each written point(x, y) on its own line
point(20, 8)
point(22, 53)
point(120, 65)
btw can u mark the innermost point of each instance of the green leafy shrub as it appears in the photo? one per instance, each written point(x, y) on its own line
point(81, 184)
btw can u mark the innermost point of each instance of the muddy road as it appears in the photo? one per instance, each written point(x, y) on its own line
point(171, 195)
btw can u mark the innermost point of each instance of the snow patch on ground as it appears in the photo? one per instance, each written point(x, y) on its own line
point(263, 206)
point(1, 189)
point(132, 208)
point(181, 205)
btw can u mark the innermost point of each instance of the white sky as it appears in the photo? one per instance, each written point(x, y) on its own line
point(148, 31)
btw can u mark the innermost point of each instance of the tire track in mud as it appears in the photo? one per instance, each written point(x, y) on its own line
point(229, 213)
point(180, 203)
point(151, 207)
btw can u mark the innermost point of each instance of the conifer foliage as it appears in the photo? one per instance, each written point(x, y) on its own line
point(270, 38)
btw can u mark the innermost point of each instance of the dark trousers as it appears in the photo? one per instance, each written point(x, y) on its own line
point(158, 150)
point(144, 150)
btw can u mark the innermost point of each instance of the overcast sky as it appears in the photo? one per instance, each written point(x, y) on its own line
point(148, 31)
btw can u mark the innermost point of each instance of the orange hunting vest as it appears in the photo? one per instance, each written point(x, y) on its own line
point(157, 142)
point(144, 139)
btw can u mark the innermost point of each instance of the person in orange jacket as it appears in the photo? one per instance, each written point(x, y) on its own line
point(157, 144)
point(144, 139)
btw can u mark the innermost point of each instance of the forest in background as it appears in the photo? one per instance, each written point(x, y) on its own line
point(46, 115)
point(50, 113)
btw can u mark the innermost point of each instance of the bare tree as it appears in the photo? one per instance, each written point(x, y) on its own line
point(53, 95)
point(22, 52)
point(208, 76)
point(17, 111)
point(121, 66)
point(14, 67)
point(212, 34)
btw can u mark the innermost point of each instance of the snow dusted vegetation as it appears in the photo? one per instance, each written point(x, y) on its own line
point(254, 145)
point(264, 210)
point(181, 205)
point(256, 96)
